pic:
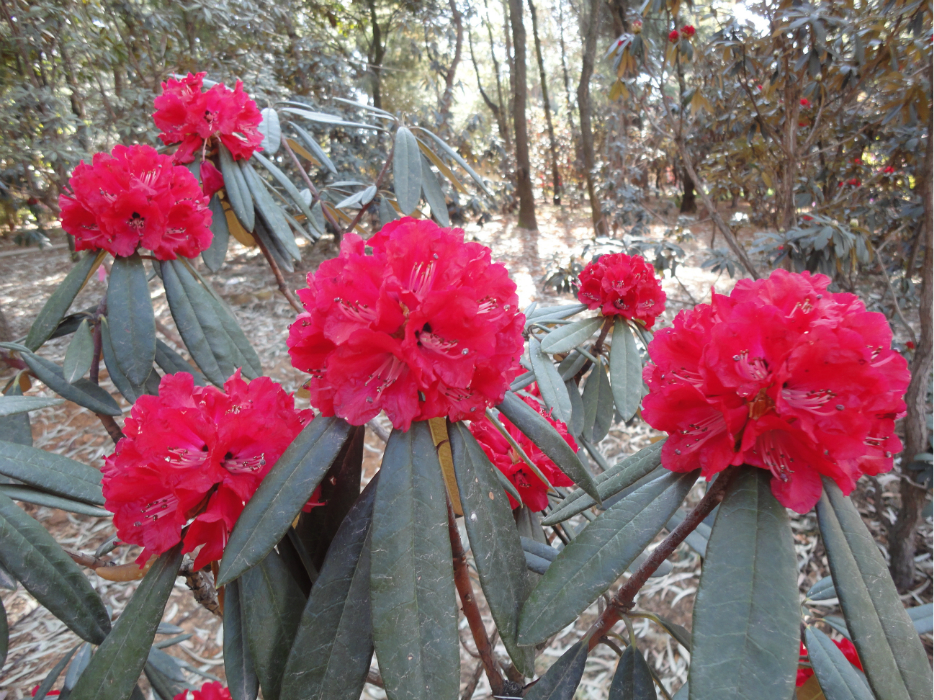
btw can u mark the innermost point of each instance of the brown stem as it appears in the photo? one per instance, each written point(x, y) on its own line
point(622, 601)
point(469, 604)
point(315, 195)
point(201, 584)
point(283, 285)
point(607, 325)
point(379, 180)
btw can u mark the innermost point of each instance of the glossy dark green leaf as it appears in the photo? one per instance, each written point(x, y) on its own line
point(6, 579)
point(434, 194)
point(599, 555)
point(127, 389)
point(838, 678)
point(386, 212)
point(13, 404)
point(550, 383)
point(4, 635)
point(270, 601)
point(598, 405)
point(633, 679)
point(892, 654)
point(28, 495)
point(677, 631)
point(282, 494)
point(46, 685)
point(566, 338)
point(411, 575)
point(36, 560)
point(622, 475)
point(82, 392)
point(536, 564)
point(406, 170)
point(79, 354)
point(165, 674)
point(498, 552)
point(315, 149)
point(576, 426)
point(270, 212)
point(746, 614)
point(214, 255)
point(625, 370)
point(238, 664)
point(547, 439)
point(51, 472)
point(132, 319)
point(171, 363)
point(822, 590)
point(119, 660)
point(331, 654)
point(57, 305)
point(238, 194)
point(322, 118)
point(561, 680)
point(271, 131)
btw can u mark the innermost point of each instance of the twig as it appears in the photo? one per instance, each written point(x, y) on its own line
point(283, 285)
point(607, 325)
point(378, 430)
point(898, 309)
point(373, 678)
point(377, 183)
point(202, 585)
point(316, 196)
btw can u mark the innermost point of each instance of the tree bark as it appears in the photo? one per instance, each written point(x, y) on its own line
point(523, 166)
point(376, 53)
point(494, 107)
point(688, 200)
point(552, 145)
point(564, 67)
point(447, 97)
point(504, 131)
point(584, 107)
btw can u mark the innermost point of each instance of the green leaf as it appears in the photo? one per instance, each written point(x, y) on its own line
point(315, 149)
point(547, 439)
point(82, 659)
point(43, 690)
point(270, 600)
point(460, 161)
point(57, 305)
point(322, 118)
point(921, 618)
point(746, 613)
point(269, 210)
point(282, 494)
point(4, 635)
point(331, 654)
point(132, 319)
point(822, 590)
point(127, 389)
point(79, 354)
point(838, 678)
point(550, 382)
point(164, 674)
point(625, 370)
point(576, 426)
point(82, 392)
point(12, 404)
point(238, 664)
point(633, 679)
point(27, 495)
point(16, 427)
point(893, 657)
point(411, 575)
point(406, 171)
point(116, 666)
point(238, 194)
point(598, 405)
point(51, 472)
point(433, 194)
point(599, 555)
point(566, 338)
point(271, 131)
point(172, 363)
point(214, 255)
point(562, 679)
point(494, 541)
point(286, 184)
point(386, 212)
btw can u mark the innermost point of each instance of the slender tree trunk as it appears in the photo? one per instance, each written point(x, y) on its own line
point(376, 53)
point(523, 166)
point(564, 67)
point(504, 130)
point(552, 145)
point(448, 95)
point(688, 200)
point(495, 108)
point(591, 22)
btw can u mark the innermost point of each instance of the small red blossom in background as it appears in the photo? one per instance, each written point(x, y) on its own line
point(136, 197)
point(808, 217)
point(888, 169)
point(415, 321)
point(193, 456)
point(910, 345)
point(622, 285)
point(674, 36)
point(854, 182)
point(844, 645)
point(637, 27)
point(781, 375)
point(190, 118)
point(533, 491)
point(688, 30)
point(209, 691)
point(857, 161)
point(805, 102)
point(48, 694)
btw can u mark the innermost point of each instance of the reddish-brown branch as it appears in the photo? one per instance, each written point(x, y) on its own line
point(315, 195)
point(607, 325)
point(379, 180)
point(280, 280)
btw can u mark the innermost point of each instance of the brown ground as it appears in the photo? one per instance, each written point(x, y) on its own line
point(38, 640)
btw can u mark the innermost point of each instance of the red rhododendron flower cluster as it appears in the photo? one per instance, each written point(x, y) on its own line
point(637, 26)
point(844, 645)
point(193, 456)
point(674, 36)
point(497, 448)
point(854, 182)
point(622, 285)
point(209, 691)
point(888, 169)
point(415, 321)
point(782, 375)
point(805, 102)
point(136, 197)
point(190, 117)
point(688, 30)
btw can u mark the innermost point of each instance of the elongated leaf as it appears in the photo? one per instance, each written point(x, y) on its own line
point(12, 404)
point(838, 678)
point(562, 679)
point(238, 194)
point(555, 312)
point(116, 666)
point(625, 370)
point(214, 255)
point(822, 590)
point(411, 576)
point(271, 131)
point(921, 617)
point(82, 659)
point(633, 679)
point(127, 389)
point(460, 161)
point(131, 317)
point(282, 494)
point(892, 654)
point(165, 674)
point(406, 170)
point(315, 148)
point(599, 555)
point(746, 613)
point(550, 382)
point(16, 427)
point(43, 690)
point(331, 654)
point(57, 305)
point(566, 338)
point(433, 194)
point(79, 354)
point(286, 184)
point(270, 212)
point(322, 118)
point(27, 495)
point(4, 635)
point(82, 392)
point(51, 472)
point(547, 439)
point(238, 664)
point(270, 600)
point(498, 552)
point(598, 405)
point(576, 426)
point(440, 165)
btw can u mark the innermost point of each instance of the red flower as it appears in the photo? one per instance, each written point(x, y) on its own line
point(637, 27)
point(48, 694)
point(855, 182)
point(533, 491)
point(211, 178)
point(781, 375)
point(209, 691)
point(674, 36)
point(910, 345)
point(888, 169)
point(805, 102)
point(808, 217)
point(857, 161)
point(136, 197)
point(194, 456)
point(622, 285)
point(844, 645)
point(758, 87)
point(688, 30)
point(414, 321)
point(191, 117)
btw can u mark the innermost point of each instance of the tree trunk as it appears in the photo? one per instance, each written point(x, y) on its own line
point(376, 53)
point(503, 125)
point(523, 166)
point(552, 145)
point(564, 70)
point(447, 97)
point(584, 107)
point(495, 108)
point(688, 200)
